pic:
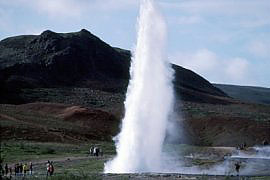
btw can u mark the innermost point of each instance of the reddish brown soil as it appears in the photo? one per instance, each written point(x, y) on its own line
point(204, 124)
point(56, 122)
point(229, 131)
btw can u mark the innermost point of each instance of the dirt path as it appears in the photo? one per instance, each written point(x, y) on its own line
point(61, 159)
point(8, 117)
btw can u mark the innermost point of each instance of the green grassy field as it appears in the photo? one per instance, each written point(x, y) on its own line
point(73, 157)
point(71, 161)
point(14, 151)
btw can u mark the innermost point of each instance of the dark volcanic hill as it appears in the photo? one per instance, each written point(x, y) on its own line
point(53, 59)
point(81, 60)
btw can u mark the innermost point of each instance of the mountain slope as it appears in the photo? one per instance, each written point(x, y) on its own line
point(247, 93)
point(53, 59)
point(80, 59)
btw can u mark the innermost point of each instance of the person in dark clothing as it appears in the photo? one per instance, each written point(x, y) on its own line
point(6, 169)
point(97, 151)
point(31, 168)
point(245, 145)
point(20, 169)
point(265, 142)
point(15, 169)
point(237, 168)
point(1, 171)
point(10, 172)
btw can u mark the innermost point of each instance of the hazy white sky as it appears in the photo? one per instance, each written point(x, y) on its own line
point(225, 41)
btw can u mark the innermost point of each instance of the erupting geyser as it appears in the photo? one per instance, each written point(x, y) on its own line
point(148, 101)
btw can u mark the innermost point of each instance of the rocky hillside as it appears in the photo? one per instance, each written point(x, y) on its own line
point(82, 60)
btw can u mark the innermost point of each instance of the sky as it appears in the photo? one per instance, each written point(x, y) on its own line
point(225, 41)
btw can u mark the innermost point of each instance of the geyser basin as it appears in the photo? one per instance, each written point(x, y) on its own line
point(148, 101)
point(148, 105)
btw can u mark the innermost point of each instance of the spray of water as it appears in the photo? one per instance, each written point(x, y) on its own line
point(148, 100)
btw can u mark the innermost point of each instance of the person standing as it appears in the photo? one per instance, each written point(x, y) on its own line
point(1, 171)
point(48, 167)
point(31, 168)
point(100, 152)
point(51, 169)
point(24, 169)
point(237, 168)
point(265, 142)
point(91, 151)
point(94, 151)
point(15, 169)
point(97, 151)
point(10, 172)
point(6, 169)
point(20, 169)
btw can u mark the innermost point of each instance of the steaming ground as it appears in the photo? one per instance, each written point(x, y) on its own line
point(253, 161)
point(71, 161)
point(149, 99)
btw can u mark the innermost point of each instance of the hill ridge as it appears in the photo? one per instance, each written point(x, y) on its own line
point(251, 94)
point(81, 59)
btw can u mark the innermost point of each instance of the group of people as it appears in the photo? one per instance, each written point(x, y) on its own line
point(95, 151)
point(22, 169)
point(19, 169)
point(242, 146)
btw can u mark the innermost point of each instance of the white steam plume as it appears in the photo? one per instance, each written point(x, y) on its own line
point(149, 99)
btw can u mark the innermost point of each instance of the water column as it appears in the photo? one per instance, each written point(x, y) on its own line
point(148, 100)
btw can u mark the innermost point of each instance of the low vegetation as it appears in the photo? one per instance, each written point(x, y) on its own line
point(14, 151)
